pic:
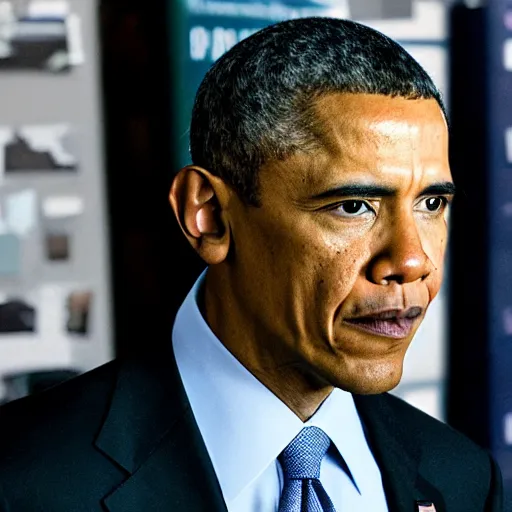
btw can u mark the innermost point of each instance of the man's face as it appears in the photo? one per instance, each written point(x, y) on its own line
point(339, 265)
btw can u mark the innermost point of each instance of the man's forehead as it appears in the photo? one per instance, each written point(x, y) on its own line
point(371, 138)
point(342, 118)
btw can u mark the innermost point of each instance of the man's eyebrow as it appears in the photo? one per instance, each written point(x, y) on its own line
point(360, 190)
point(446, 188)
point(354, 190)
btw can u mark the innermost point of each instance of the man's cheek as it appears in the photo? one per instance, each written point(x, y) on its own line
point(435, 282)
point(434, 245)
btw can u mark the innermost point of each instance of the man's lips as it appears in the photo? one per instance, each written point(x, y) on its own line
point(392, 323)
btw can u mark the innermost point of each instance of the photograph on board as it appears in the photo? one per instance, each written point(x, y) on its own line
point(79, 304)
point(37, 148)
point(57, 246)
point(17, 315)
point(37, 35)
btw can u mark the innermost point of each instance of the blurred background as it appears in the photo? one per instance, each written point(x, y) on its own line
point(95, 102)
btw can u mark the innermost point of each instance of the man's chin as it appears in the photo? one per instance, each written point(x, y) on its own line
point(372, 388)
point(373, 380)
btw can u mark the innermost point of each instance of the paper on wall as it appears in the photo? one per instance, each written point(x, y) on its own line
point(10, 249)
point(62, 206)
point(48, 8)
point(6, 136)
point(75, 42)
point(21, 212)
point(3, 226)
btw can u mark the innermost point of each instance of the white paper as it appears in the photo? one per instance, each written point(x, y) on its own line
point(75, 42)
point(21, 212)
point(62, 206)
point(3, 226)
point(47, 8)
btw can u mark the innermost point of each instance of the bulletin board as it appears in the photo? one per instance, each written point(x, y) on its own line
point(54, 276)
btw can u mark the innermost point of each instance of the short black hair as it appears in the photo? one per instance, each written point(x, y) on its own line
point(254, 104)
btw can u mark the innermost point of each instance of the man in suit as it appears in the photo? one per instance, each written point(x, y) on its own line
point(318, 197)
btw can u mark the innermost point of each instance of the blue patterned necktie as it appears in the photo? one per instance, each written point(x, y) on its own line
point(301, 459)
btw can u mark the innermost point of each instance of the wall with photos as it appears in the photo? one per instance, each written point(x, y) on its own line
point(54, 291)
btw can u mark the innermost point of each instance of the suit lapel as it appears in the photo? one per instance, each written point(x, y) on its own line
point(177, 476)
point(151, 433)
point(397, 455)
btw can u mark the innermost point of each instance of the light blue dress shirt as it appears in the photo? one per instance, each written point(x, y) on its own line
point(245, 426)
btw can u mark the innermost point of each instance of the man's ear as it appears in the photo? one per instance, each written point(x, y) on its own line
point(199, 201)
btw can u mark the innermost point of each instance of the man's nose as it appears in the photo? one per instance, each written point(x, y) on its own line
point(402, 259)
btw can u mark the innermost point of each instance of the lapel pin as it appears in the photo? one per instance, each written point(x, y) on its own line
point(425, 506)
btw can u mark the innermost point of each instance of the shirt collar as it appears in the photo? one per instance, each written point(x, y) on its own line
point(242, 420)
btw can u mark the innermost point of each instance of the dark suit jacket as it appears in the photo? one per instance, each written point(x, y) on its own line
point(122, 438)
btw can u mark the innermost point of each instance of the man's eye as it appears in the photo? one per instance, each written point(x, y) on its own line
point(352, 208)
point(433, 204)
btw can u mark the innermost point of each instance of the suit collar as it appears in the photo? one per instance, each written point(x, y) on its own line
point(150, 432)
point(398, 455)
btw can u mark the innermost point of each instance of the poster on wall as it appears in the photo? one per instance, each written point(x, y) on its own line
point(78, 305)
point(37, 148)
point(57, 246)
point(17, 315)
point(57, 313)
point(206, 29)
point(39, 35)
point(59, 216)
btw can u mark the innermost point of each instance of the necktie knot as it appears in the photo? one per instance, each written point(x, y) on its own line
point(302, 458)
